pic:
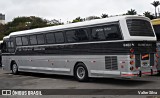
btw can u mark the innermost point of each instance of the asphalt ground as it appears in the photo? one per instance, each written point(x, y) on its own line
point(56, 82)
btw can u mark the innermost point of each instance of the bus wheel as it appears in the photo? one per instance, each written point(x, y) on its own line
point(14, 68)
point(81, 72)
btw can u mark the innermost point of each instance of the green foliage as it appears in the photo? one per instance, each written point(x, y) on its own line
point(78, 19)
point(148, 14)
point(155, 4)
point(92, 17)
point(104, 15)
point(131, 12)
point(22, 23)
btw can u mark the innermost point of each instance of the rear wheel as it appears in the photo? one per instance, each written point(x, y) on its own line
point(81, 72)
point(14, 68)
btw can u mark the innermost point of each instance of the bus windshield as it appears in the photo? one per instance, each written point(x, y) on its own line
point(139, 27)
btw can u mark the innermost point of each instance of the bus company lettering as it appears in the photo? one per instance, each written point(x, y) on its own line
point(143, 45)
point(38, 49)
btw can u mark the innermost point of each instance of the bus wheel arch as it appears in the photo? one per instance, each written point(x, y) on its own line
point(80, 67)
point(14, 67)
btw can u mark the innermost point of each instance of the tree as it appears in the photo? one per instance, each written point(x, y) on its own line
point(21, 23)
point(2, 30)
point(148, 14)
point(131, 12)
point(104, 15)
point(78, 19)
point(92, 17)
point(155, 4)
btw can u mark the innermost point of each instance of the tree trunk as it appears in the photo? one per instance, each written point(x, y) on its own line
point(155, 13)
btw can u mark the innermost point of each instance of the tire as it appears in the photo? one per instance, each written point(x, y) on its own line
point(14, 69)
point(81, 72)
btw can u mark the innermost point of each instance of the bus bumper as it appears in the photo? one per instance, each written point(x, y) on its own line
point(138, 73)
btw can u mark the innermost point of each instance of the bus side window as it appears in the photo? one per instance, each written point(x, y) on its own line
point(18, 41)
point(98, 33)
point(78, 35)
point(33, 39)
point(71, 36)
point(40, 39)
point(112, 32)
point(50, 38)
point(59, 37)
point(25, 40)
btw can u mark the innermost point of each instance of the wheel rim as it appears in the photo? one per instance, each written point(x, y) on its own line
point(14, 68)
point(80, 72)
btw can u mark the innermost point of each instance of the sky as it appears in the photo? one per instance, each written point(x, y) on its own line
point(67, 10)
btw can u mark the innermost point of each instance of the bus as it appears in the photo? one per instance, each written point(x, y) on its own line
point(116, 47)
point(156, 26)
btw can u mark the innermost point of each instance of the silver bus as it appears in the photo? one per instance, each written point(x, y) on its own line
point(118, 47)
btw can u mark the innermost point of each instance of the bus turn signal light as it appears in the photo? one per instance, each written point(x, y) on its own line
point(157, 55)
point(132, 68)
point(131, 62)
point(132, 56)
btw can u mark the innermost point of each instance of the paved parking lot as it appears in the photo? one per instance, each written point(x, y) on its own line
point(42, 81)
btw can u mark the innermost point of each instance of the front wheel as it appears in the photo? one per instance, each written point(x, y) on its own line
point(14, 68)
point(81, 72)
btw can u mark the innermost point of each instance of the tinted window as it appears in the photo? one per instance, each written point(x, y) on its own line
point(12, 45)
point(98, 33)
point(139, 27)
point(112, 32)
point(40, 39)
point(50, 38)
point(33, 39)
point(59, 37)
point(18, 41)
point(8, 44)
point(77, 35)
point(25, 40)
point(108, 32)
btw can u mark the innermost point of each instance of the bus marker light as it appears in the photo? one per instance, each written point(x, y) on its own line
point(93, 61)
point(157, 55)
point(122, 66)
point(131, 56)
point(131, 50)
point(131, 62)
point(67, 60)
point(132, 68)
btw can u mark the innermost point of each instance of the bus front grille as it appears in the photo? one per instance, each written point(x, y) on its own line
point(111, 63)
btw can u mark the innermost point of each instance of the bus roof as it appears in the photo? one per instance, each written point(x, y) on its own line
point(72, 25)
point(5, 37)
point(156, 21)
